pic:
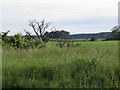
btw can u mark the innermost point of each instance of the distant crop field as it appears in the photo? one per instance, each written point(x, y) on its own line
point(90, 65)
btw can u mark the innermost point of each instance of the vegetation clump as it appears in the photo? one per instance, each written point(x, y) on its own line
point(93, 39)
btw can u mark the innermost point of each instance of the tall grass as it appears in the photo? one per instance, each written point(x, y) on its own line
point(91, 65)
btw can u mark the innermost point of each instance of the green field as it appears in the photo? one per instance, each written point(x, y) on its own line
point(90, 65)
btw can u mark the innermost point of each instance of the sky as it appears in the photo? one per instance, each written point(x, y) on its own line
point(75, 16)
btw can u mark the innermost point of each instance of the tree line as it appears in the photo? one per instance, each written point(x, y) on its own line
point(42, 36)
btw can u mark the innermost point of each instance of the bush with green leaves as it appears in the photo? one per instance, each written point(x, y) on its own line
point(93, 39)
point(18, 41)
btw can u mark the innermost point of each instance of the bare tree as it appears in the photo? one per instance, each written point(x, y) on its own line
point(39, 27)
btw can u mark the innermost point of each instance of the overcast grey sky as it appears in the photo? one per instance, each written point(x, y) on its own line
point(75, 16)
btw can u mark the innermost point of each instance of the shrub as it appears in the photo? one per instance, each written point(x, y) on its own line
point(67, 43)
point(17, 41)
point(93, 39)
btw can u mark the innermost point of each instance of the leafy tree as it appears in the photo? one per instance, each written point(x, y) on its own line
point(59, 34)
point(116, 33)
point(64, 34)
point(93, 39)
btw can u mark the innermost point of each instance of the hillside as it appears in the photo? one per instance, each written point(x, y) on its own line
point(89, 35)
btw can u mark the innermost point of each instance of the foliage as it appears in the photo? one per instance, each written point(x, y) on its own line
point(17, 41)
point(29, 41)
point(32, 42)
point(115, 33)
point(45, 37)
point(59, 34)
point(66, 43)
point(93, 39)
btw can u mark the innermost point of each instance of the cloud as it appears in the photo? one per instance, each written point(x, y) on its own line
point(87, 25)
point(59, 10)
point(16, 13)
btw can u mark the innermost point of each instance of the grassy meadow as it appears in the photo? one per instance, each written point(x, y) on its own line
point(90, 65)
